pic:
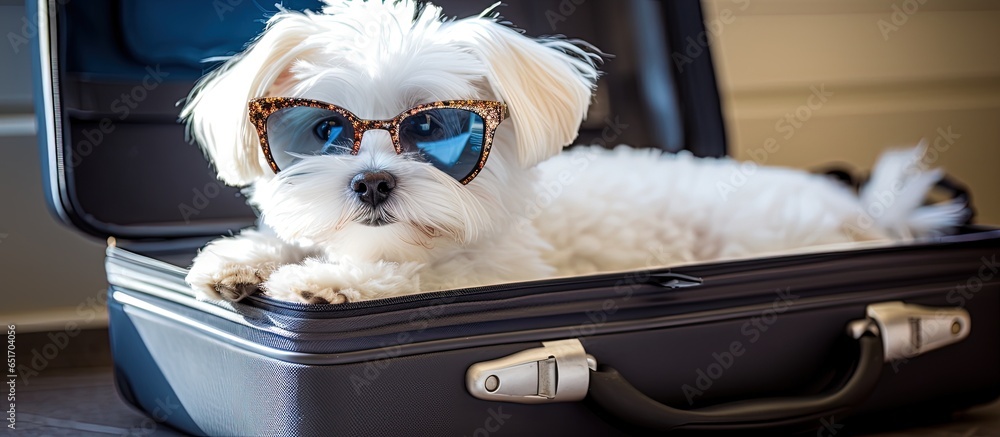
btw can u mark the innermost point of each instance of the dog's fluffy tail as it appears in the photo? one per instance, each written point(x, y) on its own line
point(894, 196)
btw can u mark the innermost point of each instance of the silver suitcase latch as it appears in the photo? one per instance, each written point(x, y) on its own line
point(559, 371)
point(909, 330)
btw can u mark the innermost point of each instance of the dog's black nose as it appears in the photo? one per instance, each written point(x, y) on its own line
point(373, 187)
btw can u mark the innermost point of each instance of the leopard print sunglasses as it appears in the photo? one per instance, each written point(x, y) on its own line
point(454, 135)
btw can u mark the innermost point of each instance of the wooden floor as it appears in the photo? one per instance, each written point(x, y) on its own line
point(79, 402)
point(76, 397)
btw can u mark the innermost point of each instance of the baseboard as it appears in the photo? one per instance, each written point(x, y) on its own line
point(17, 125)
point(57, 319)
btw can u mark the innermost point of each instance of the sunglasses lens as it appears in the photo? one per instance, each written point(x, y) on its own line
point(300, 131)
point(450, 139)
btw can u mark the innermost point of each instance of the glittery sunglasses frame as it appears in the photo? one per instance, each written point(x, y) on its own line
point(492, 113)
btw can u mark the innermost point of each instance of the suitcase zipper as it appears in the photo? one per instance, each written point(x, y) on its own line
point(651, 280)
point(663, 278)
point(669, 280)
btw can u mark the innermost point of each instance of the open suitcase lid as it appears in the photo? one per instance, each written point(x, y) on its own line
point(111, 73)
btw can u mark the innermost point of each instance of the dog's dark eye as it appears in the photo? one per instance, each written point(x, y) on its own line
point(331, 132)
point(329, 129)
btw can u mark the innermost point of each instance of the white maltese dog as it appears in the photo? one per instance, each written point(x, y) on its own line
point(391, 151)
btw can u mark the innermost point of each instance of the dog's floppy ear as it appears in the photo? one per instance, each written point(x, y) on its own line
point(547, 83)
point(216, 110)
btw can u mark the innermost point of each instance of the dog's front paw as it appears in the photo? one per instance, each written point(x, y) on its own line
point(318, 282)
point(308, 283)
point(214, 278)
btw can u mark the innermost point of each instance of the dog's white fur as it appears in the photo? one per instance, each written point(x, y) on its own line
point(531, 213)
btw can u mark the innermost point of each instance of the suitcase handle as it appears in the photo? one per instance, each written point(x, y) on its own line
point(612, 392)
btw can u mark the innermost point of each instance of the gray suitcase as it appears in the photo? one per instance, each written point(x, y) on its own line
point(786, 343)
